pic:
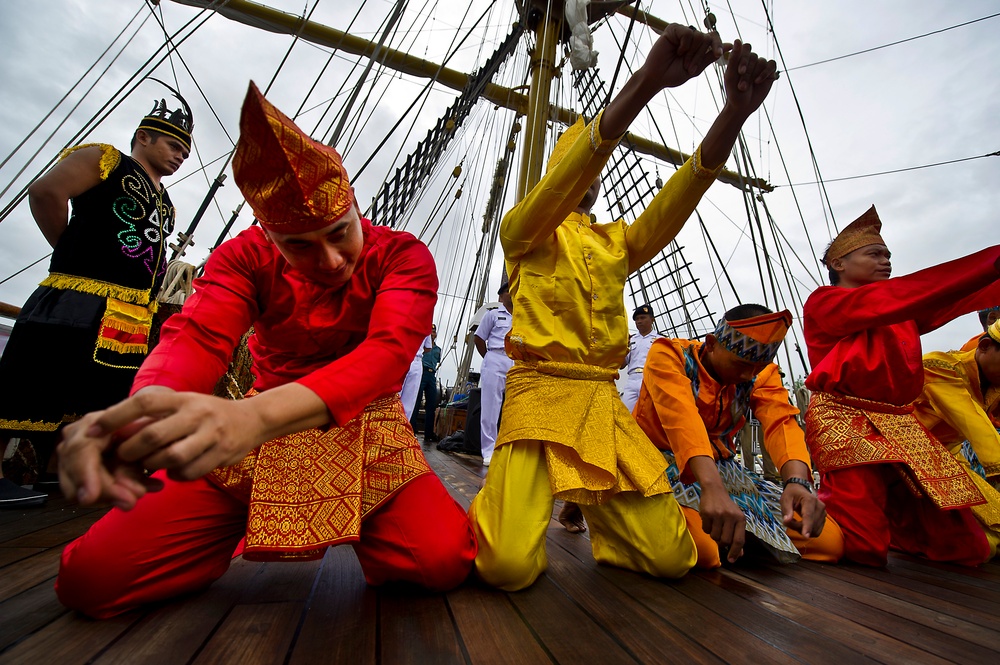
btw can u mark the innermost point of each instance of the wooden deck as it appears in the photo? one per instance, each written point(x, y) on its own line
point(577, 613)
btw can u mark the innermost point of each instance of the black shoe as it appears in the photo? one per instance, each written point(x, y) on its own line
point(15, 496)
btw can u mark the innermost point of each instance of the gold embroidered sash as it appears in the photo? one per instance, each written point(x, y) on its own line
point(846, 431)
point(312, 489)
point(593, 447)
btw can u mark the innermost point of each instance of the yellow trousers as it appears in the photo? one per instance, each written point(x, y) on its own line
point(511, 514)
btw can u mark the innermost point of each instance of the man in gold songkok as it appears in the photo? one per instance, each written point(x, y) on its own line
point(320, 452)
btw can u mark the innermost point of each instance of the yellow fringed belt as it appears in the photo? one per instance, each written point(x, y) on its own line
point(593, 447)
point(96, 287)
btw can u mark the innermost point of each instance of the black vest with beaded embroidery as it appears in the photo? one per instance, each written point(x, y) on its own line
point(117, 232)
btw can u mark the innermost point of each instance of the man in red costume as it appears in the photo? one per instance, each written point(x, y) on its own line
point(883, 477)
point(320, 453)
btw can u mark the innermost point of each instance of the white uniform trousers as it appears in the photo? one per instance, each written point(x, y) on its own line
point(630, 396)
point(492, 381)
point(411, 386)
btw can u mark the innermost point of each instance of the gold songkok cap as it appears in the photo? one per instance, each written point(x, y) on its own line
point(293, 183)
point(566, 142)
point(859, 233)
point(757, 338)
point(994, 331)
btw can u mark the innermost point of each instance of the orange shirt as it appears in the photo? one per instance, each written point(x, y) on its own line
point(675, 418)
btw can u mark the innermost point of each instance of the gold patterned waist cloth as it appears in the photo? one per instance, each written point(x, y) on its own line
point(312, 489)
point(844, 431)
point(594, 449)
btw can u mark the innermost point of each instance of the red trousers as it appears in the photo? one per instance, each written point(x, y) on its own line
point(182, 539)
point(876, 510)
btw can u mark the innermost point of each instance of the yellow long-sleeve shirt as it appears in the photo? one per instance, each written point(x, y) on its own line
point(567, 274)
point(954, 407)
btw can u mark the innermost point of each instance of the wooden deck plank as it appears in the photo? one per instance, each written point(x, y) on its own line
point(953, 589)
point(979, 576)
point(885, 648)
point(69, 640)
point(568, 633)
point(707, 629)
point(932, 631)
point(974, 625)
point(491, 629)
point(29, 572)
point(253, 634)
point(931, 641)
point(712, 589)
point(9, 555)
point(30, 522)
point(866, 641)
point(636, 627)
point(341, 622)
point(175, 631)
point(416, 627)
point(28, 612)
point(57, 534)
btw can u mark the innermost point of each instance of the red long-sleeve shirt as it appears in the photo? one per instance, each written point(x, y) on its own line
point(349, 346)
point(865, 342)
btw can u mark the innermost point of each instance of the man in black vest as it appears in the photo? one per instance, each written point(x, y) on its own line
point(83, 333)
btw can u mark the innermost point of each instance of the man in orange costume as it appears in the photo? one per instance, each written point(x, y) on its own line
point(695, 398)
point(883, 477)
point(320, 453)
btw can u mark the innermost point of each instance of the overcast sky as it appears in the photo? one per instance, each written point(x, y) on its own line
point(921, 102)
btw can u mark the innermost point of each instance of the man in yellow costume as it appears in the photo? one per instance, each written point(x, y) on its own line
point(960, 405)
point(695, 398)
point(565, 432)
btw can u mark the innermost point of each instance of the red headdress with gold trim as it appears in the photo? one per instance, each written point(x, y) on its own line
point(757, 338)
point(293, 183)
point(861, 232)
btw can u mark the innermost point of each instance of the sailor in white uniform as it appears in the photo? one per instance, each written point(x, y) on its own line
point(490, 336)
point(411, 384)
point(638, 347)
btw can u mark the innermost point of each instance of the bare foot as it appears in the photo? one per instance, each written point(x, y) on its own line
point(571, 517)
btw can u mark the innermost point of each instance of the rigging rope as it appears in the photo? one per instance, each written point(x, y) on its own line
point(73, 87)
point(105, 110)
point(903, 170)
point(895, 43)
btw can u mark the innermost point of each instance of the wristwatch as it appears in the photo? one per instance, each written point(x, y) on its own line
point(799, 481)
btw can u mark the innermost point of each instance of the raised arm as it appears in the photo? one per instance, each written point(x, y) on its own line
point(675, 57)
point(927, 295)
point(49, 195)
point(748, 80)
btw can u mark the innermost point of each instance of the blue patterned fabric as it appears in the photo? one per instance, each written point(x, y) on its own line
point(759, 499)
point(970, 456)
